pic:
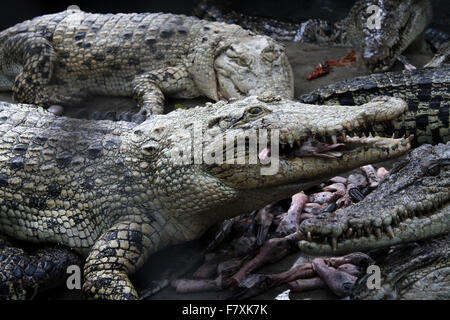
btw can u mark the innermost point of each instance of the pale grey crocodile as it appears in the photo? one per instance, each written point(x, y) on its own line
point(61, 58)
point(116, 192)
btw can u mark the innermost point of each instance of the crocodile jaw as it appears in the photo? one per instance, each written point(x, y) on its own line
point(411, 204)
point(296, 124)
point(409, 230)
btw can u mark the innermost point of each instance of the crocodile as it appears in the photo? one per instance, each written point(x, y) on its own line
point(411, 204)
point(380, 29)
point(116, 192)
point(61, 58)
point(415, 271)
point(425, 90)
point(442, 56)
point(26, 273)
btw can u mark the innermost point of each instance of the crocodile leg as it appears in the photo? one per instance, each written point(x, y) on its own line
point(119, 252)
point(32, 84)
point(5, 83)
point(22, 275)
point(149, 88)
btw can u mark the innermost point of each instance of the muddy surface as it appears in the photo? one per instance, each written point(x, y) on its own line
point(303, 58)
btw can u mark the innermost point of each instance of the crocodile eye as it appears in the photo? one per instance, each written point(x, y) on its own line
point(243, 61)
point(269, 56)
point(434, 169)
point(150, 148)
point(255, 110)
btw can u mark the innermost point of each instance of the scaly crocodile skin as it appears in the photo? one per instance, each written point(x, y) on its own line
point(411, 204)
point(114, 192)
point(22, 275)
point(411, 272)
point(427, 92)
point(61, 58)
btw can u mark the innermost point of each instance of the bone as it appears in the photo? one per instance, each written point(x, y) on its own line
point(336, 187)
point(321, 197)
point(358, 180)
point(313, 208)
point(290, 221)
point(188, 285)
point(346, 200)
point(356, 258)
point(301, 271)
point(382, 173)
point(264, 219)
point(301, 285)
point(371, 175)
point(340, 283)
point(57, 110)
point(273, 250)
point(338, 179)
point(306, 216)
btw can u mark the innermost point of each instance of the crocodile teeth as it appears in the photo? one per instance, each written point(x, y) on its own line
point(349, 232)
point(390, 232)
point(378, 232)
point(334, 138)
point(309, 237)
point(334, 243)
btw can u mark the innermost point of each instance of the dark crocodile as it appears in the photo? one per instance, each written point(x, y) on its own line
point(416, 271)
point(400, 23)
point(117, 192)
point(61, 58)
point(425, 90)
point(23, 274)
point(411, 204)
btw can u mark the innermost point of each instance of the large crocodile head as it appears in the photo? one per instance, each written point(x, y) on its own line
point(196, 166)
point(410, 205)
point(235, 63)
point(254, 65)
point(388, 28)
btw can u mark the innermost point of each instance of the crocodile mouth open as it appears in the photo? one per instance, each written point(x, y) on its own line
point(333, 145)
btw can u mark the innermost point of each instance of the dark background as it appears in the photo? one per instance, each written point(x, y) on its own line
point(14, 11)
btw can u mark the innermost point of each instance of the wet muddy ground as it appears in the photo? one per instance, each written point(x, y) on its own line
point(303, 58)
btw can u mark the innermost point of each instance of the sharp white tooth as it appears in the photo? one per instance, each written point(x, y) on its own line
point(378, 232)
point(334, 138)
point(349, 232)
point(390, 232)
point(370, 135)
point(334, 243)
point(309, 237)
point(291, 141)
